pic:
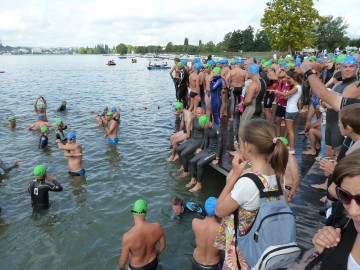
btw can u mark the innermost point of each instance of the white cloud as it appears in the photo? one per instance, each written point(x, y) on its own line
point(87, 23)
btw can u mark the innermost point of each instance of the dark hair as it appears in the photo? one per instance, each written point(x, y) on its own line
point(349, 166)
point(295, 76)
point(337, 76)
point(261, 133)
point(177, 201)
point(348, 116)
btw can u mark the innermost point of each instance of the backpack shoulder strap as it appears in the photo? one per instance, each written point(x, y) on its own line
point(259, 184)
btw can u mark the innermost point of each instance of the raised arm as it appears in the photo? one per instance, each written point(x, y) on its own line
point(319, 88)
point(35, 104)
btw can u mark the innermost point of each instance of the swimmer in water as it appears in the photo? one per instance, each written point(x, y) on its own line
point(60, 130)
point(43, 141)
point(180, 208)
point(111, 129)
point(40, 123)
point(73, 151)
point(101, 118)
point(116, 114)
point(39, 188)
point(40, 108)
point(12, 122)
point(62, 106)
point(8, 169)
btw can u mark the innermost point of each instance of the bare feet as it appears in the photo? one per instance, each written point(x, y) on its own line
point(171, 158)
point(196, 188)
point(16, 163)
point(323, 199)
point(320, 186)
point(176, 157)
point(184, 174)
point(191, 183)
point(309, 152)
point(181, 168)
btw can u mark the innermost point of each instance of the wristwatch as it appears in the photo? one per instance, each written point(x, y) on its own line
point(307, 74)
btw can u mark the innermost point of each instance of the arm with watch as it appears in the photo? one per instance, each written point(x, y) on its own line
point(319, 88)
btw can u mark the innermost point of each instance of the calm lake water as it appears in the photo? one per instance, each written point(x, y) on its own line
point(85, 223)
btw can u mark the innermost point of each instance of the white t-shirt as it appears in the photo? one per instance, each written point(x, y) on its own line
point(291, 105)
point(352, 264)
point(247, 195)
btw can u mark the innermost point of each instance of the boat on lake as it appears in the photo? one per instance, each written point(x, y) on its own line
point(111, 63)
point(163, 65)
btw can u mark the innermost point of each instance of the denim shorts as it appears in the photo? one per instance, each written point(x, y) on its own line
point(291, 116)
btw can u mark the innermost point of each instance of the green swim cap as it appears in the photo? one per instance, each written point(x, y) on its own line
point(203, 120)
point(58, 122)
point(340, 58)
point(110, 114)
point(178, 105)
point(289, 66)
point(180, 64)
point(11, 118)
point(63, 102)
point(207, 65)
point(39, 170)
point(281, 60)
point(217, 70)
point(266, 64)
point(40, 106)
point(263, 61)
point(44, 129)
point(139, 208)
point(313, 57)
point(275, 60)
point(233, 62)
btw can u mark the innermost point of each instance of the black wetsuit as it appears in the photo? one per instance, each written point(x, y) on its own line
point(212, 145)
point(60, 134)
point(182, 86)
point(43, 141)
point(333, 136)
point(61, 108)
point(259, 99)
point(39, 192)
point(187, 148)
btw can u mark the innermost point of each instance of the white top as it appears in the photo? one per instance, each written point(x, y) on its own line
point(247, 195)
point(291, 105)
point(352, 264)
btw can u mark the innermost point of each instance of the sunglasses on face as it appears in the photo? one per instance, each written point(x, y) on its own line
point(346, 197)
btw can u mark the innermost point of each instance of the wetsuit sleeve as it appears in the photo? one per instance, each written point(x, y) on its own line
point(205, 140)
point(215, 85)
point(219, 141)
point(54, 186)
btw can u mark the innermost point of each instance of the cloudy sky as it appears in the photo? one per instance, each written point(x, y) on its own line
point(140, 22)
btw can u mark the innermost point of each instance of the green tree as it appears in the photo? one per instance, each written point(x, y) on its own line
point(262, 42)
point(209, 47)
point(330, 33)
point(236, 41)
point(248, 39)
point(290, 23)
point(121, 48)
point(169, 47)
point(81, 50)
point(130, 48)
point(355, 43)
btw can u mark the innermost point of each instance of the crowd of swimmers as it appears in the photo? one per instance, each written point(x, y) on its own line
point(43, 183)
point(324, 86)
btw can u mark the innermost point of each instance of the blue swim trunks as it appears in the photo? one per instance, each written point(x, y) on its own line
point(113, 141)
point(79, 173)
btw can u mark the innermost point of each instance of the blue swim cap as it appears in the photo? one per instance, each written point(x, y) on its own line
point(253, 69)
point(222, 61)
point(184, 62)
point(211, 62)
point(350, 60)
point(114, 109)
point(198, 66)
point(283, 64)
point(40, 116)
point(71, 135)
point(197, 60)
point(210, 206)
point(239, 62)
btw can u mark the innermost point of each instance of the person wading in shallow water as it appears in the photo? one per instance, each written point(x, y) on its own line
point(143, 243)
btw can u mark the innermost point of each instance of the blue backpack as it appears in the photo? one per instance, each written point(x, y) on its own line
point(269, 244)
